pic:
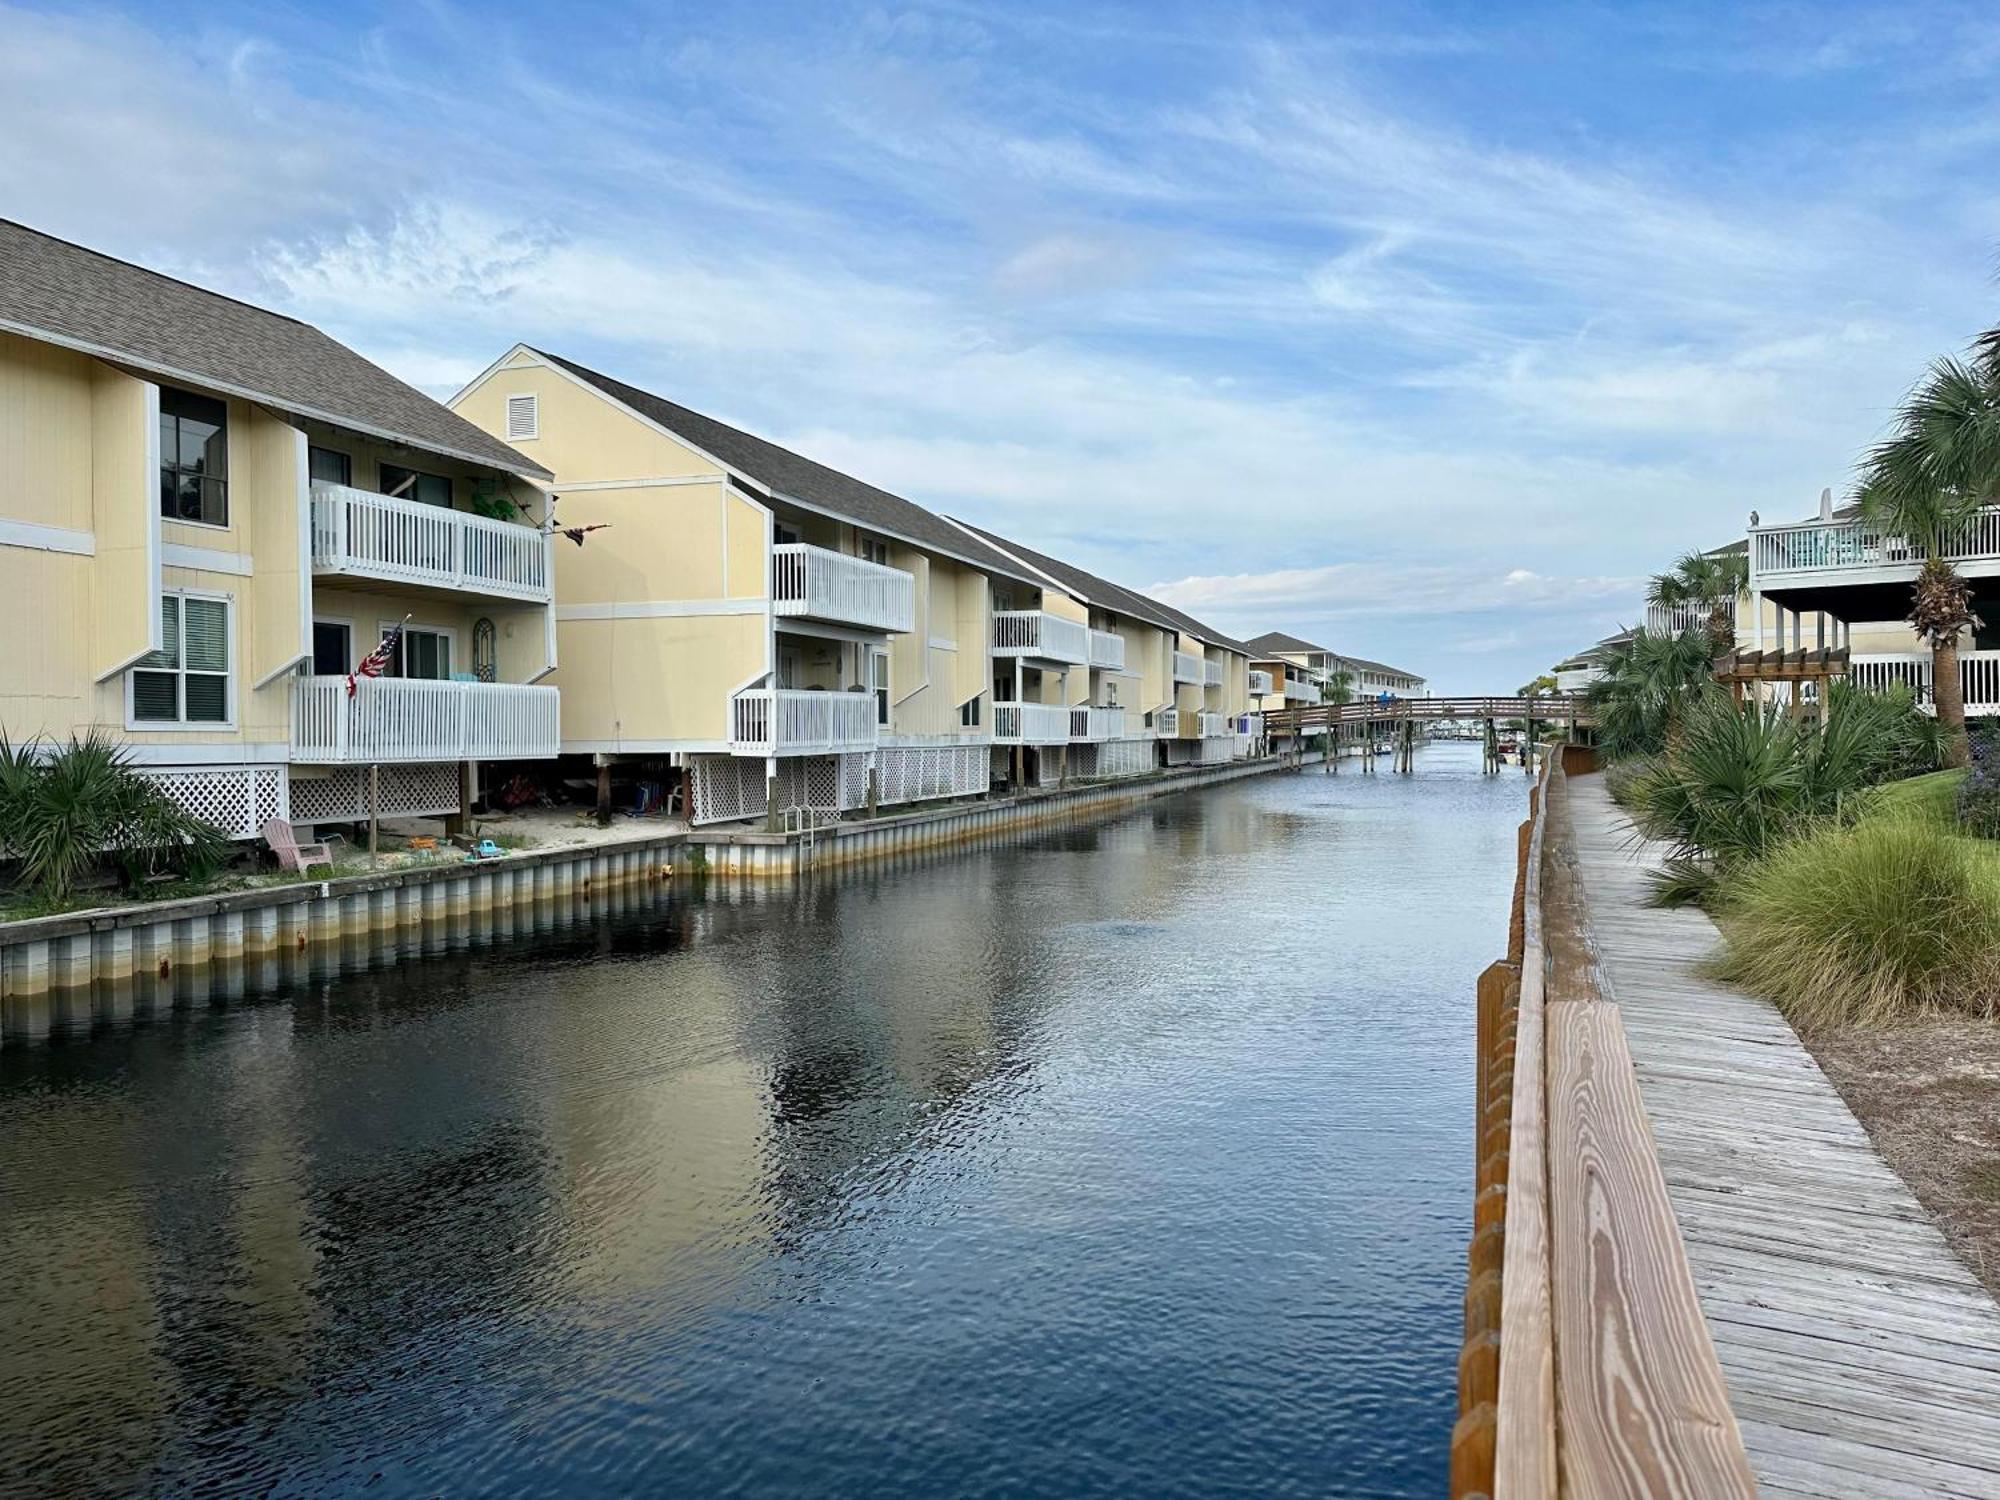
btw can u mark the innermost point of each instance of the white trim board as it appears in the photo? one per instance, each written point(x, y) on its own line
point(195, 754)
point(37, 538)
point(205, 559)
point(659, 609)
point(645, 747)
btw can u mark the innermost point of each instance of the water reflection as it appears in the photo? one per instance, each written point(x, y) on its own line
point(1129, 1159)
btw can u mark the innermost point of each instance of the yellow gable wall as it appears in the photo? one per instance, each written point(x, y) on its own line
point(659, 618)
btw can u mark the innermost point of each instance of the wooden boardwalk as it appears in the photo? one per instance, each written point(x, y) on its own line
point(1862, 1358)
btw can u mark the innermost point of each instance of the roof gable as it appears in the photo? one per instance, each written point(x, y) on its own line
point(114, 310)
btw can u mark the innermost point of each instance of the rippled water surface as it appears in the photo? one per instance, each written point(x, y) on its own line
point(1128, 1160)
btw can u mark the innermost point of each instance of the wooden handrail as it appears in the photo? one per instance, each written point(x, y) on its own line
point(1600, 1377)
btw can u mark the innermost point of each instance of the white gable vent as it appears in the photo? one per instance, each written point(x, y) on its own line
point(524, 418)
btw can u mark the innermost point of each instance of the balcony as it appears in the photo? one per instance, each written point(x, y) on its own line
point(358, 534)
point(407, 719)
point(1095, 725)
point(1031, 723)
point(817, 583)
point(1978, 675)
point(1167, 723)
point(1211, 673)
point(1298, 690)
point(1260, 684)
point(1107, 650)
point(1212, 726)
point(1187, 667)
point(1675, 619)
point(799, 721)
point(1854, 551)
point(1037, 633)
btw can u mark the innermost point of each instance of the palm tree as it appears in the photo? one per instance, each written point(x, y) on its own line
point(1705, 580)
point(1648, 685)
point(1939, 464)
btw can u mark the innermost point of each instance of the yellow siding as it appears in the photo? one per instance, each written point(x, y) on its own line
point(125, 498)
point(640, 681)
point(584, 438)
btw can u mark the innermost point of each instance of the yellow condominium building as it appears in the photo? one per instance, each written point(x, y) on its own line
point(210, 514)
point(1162, 688)
point(787, 635)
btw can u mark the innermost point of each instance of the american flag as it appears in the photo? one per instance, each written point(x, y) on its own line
point(377, 661)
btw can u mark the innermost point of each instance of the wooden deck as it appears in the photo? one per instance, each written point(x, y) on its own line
point(1862, 1358)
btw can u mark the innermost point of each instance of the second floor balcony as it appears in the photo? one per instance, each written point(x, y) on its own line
point(1260, 683)
point(359, 534)
point(1107, 649)
point(1093, 725)
point(1187, 667)
point(1213, 726)
point(1041, 636)
point(801, 721)
point(818, 583)
point(1298, 690)
point(402, 719)
point(1858, 552)
point(1211, 673)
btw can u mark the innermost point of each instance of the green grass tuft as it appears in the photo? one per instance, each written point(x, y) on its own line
point(1932, 796)
point(1867, 922)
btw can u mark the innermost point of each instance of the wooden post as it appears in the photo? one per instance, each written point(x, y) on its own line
point(874, 791)
point(603, 791)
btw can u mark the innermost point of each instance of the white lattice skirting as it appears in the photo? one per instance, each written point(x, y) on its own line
point(428, 789)
point(239, 800)
point(1122, 758)
point(729, 788)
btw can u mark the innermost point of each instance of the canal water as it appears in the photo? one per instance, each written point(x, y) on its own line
point(1125, 1160)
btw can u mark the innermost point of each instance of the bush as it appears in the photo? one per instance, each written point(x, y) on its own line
point(1979, 793)
point(1867, 921)
point(63, 809)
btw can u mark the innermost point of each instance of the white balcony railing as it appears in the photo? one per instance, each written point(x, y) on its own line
point(821, 584)
point(1213, 726)
point(1260, 683)
point(1832, 548)
point(1978, 676)
point(1211, 673)
point(411, 719)
point(1298, 690)
point(1187, 667)
point(1674, 619)
point(1167, 723)
point(1037, 633)
point(1095, 724)
point(1107, 649)
point(365, 535)
point(1031, 723)
point(796, 721)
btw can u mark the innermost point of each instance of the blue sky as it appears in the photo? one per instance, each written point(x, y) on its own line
point(1426, 331)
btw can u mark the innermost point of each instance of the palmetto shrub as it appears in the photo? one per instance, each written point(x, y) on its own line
point(1867, 921)
point(64, 808)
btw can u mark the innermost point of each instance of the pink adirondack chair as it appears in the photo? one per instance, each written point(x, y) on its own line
point(292, 855)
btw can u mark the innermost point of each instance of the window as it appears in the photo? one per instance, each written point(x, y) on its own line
point(194, 458)
point(187, 680)
point(783, 535)
point(408, 484)
point(524, 419)
point(878, 683)
point(873, 548)
point(422, 653)
point(330, 466)
point(968, 713)
point(333, 648)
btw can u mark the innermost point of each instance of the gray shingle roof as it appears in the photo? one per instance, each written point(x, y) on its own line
point(1276, 642)
point(794, 477)
point(1377, 666)
point(128, 315)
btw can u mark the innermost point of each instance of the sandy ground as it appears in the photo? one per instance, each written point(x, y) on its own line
point(1928, 1095)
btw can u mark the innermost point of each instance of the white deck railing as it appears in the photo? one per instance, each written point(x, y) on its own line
point(1094, 724)
point(1674, 619)
point(409, 719)
point(365, 535)
point(1187, 667)
point(1978, 675)
point(1260, 683)
point(1031, 723)
point(1167, 723)
point(821, 584)
point(797, 721)
point(1107, 649)
point(1211, 673)
point(1298, 690)
point(1212, 726)
point(1834, 547)
point(1036, 632)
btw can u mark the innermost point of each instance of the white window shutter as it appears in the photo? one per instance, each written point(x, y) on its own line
point(524, 420)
